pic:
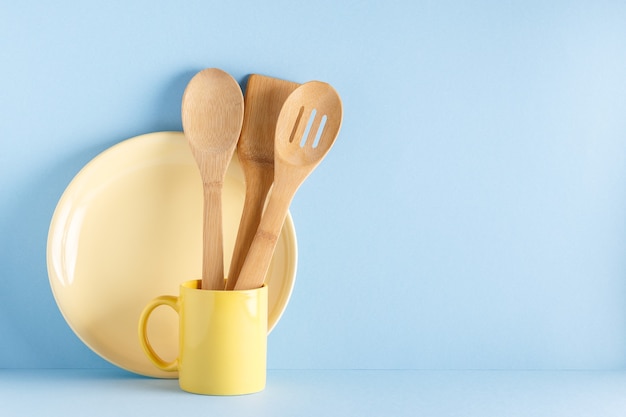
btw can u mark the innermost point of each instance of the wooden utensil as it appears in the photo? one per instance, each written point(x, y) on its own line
point(307, 127)
point(263, 100)
point(212, 114)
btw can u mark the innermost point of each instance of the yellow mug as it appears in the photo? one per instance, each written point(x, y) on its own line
point(222, 339)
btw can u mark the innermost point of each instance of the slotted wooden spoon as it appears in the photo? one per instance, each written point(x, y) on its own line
point(212, 114)
point(263, 100)
point(306, 129)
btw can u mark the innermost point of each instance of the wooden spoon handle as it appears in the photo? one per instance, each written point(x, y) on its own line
point(259, 181)
point(212, 256)
point(262, 248)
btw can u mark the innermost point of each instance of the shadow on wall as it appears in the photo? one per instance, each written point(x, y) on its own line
point(166, 105)
point(34, 333)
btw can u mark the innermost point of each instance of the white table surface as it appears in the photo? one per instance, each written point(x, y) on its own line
point(89, 392)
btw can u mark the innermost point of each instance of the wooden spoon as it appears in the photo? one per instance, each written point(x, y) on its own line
point(307, 127)
point(264, 99)
point(212, 114)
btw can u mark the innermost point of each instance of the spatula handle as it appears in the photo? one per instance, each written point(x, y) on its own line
point(258, 183)
point(262, 248)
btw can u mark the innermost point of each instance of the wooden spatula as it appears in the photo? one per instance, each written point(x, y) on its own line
point(307, 127)
point(263, 100)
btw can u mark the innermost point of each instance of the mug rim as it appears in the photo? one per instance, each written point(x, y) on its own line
point(196, 284)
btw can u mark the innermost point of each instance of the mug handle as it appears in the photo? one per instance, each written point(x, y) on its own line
point(167, 300)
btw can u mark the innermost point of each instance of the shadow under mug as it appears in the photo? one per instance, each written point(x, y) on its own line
point(222, 339)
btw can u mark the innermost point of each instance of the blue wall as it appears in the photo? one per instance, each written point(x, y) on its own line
point(471, 215)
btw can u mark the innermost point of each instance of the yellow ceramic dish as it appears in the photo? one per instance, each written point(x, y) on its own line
point(127, 229)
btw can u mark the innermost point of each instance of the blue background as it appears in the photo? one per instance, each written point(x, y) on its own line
point(472, 213)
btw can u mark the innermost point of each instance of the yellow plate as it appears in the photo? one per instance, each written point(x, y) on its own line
point(128, 228)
